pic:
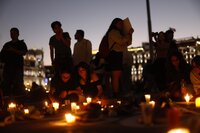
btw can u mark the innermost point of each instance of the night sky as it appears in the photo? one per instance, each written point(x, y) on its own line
point(34, 17)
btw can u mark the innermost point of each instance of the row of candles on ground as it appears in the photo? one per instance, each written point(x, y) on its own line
point(187, 98)
point(70, 118)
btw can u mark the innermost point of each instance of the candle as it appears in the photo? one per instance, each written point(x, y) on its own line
point(119, 102)
point(12, 105)
point(85, 103)
point(77, 107)
point(152, 103)
point(73, 107)
point(179, 130)
point(46, 104)
point(26, 111)
point(89, 99)
point(111, 106)
point(147, 97)
point(173, 117)
point(99, 102)
point(70, 118)
point(197, 102)
point(187, 98)
point(55, 105)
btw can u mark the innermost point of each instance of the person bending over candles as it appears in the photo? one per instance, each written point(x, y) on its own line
point(64, 87)
point(88, 81)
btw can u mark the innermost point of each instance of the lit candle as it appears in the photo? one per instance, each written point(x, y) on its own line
point(89, 99)
point(147, 97)
point(197, 102)
point(46, 104)
point(152, 103)
point(85, 103)
point(70, 118)
point(55, 105)
point(179, 130)
point(119, 102)
point(12, 105)
point(73, 107)
point(187, 98)
point(111, 106)
point(99, 102)
point(77, 107)
point(26, 111)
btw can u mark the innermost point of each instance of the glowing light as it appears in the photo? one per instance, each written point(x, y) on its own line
point(197, 102)
point(152, 103)
point(147, 97)
point(179, 130)
point(89, 99)
point(12, 105)
point(73, 107)
point(187, 98)
point(55, 106)
point(26, 111)
point(46, 104)
point(70, 118)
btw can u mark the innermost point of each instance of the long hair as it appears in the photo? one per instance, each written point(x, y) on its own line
point(87, 68)
point(113, 25)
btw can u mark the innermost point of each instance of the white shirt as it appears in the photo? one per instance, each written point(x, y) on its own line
point(82, 52)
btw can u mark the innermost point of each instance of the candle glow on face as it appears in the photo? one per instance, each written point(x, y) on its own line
point(179, 130)
point(70, 118)
point(55, 105)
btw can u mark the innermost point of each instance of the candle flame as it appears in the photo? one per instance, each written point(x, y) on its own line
point(187, 98)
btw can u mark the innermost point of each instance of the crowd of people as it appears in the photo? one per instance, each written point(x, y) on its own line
point(79, 75)
point(170, 72)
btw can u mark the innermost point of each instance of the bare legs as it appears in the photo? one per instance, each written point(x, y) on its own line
point(116, 75)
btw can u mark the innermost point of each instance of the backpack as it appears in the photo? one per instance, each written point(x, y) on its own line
point(104, 49)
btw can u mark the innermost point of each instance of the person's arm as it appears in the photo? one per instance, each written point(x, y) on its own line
point(78, 91)
point(119, 39)
point(51, 54)
point(95, 78)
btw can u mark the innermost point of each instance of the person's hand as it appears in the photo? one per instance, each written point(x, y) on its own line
point(63, 94)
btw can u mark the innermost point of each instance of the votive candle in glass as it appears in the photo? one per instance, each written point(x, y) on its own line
point(197, 102)
point(70, 118)
point(147, 97)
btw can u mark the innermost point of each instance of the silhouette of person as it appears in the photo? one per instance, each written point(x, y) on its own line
point(118, 41)
point(195, 74)
point(82, 49)
point(12, 55)
point(60, 50)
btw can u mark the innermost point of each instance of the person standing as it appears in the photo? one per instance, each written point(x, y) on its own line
point(82, 49)
point(118, 42)
point(12, 55)
point(60, 50)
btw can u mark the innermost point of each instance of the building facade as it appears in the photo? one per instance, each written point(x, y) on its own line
point(34, 68)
